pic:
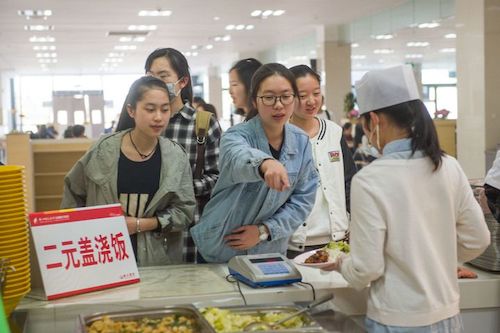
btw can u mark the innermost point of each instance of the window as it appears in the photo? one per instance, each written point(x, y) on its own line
point(79, 117)
point(441, 96)
point(96, 117)
point(62, 117)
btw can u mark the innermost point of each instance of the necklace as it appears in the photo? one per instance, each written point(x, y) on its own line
point(143, 156)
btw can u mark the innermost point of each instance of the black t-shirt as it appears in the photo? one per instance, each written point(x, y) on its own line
point(276, 153)
point(137, 184)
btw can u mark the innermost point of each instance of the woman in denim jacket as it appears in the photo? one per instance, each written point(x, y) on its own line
point(267, 182)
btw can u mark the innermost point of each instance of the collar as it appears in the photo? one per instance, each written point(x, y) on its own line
point(397, 146)
point(289, 146)
point(187, 112)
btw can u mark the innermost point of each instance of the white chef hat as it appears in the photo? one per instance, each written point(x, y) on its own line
point(382, 88)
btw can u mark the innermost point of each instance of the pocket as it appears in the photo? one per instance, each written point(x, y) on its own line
point(253, 187)
point(293, 178)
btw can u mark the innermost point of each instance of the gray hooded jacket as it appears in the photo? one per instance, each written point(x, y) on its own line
point(93, 181)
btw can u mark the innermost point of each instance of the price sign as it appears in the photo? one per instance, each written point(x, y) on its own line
point(83, 249)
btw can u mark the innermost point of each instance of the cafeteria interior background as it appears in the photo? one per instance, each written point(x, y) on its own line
point(71, 62)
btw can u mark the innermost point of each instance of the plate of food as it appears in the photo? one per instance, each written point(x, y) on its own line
point(324, 256)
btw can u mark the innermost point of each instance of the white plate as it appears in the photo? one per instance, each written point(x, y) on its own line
point(301, 258)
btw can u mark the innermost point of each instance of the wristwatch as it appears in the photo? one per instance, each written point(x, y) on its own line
point(263, 234)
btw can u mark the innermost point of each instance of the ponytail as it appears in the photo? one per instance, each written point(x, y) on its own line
point(415, 119)
point(424, 136)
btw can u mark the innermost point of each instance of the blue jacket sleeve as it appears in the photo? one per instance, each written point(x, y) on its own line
point(239, 159)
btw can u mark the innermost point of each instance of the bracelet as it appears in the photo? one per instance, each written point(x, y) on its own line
point(138, 226)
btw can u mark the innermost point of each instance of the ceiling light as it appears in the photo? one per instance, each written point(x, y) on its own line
point(113, 60)
point(216, 18)
point(47, 61)
point(209, 47)
point(125, 47)
point(428, 25)
point(448, 50)
point(155, 13)
point(142, 27)
point(126, 39)
point(38, 27)
point(37, 13)
point(116, 54)
point(194, 54)
point(278, 12)
point(256, 13)
point(417, 44)
point(46, 55)
point(354, 45)
point(384, 36)
point(383, 51)
point(267, 12)
point(230, 27)
point(46, 39)
point(240, 27)
point(44, 48)
point(194, 47)
point(217, 38)
point(413, 56)
point(250, 27)
point(188, 54)
point(358, 57)
point(226, 38)
point(450, 36)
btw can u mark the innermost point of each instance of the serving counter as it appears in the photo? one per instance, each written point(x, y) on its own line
point(206, 285)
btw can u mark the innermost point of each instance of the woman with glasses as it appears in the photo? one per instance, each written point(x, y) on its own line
point(329, 219)
point(268, 181)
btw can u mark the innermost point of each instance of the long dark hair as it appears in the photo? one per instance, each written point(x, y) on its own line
point(413, 117)
point(180, 65)
point(304, 70)
point(135, 94)
point(260, 75)
point(245, 68)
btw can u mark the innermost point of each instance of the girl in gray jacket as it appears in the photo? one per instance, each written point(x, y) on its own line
point(148, 174)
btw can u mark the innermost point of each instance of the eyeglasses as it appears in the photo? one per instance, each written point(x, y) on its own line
point(270, 100)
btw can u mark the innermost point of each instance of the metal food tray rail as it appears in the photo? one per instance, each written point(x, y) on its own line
point(311, 325)
point(151, 313)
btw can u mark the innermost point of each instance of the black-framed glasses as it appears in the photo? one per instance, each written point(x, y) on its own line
point(270, 100)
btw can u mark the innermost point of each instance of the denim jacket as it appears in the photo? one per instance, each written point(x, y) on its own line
point(241, 197)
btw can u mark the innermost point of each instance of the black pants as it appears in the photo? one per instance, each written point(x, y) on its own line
point(493, 196)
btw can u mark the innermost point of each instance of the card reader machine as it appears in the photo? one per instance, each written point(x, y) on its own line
point(264, 270)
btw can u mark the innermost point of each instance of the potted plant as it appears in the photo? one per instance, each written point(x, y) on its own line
point(349, 106)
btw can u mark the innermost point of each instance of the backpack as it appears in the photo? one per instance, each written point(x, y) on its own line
point(201, 129)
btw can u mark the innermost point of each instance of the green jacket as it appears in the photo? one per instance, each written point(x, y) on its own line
point(93, 181)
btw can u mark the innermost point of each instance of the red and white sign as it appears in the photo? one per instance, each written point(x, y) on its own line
point(83, 249)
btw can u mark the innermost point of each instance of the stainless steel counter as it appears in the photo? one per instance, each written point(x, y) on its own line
point(204, 285)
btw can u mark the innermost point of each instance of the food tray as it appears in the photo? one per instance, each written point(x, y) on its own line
point(311, 325)
point(185, 310)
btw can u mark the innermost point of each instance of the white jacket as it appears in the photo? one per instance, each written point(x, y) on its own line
point(409, 228)
point(328, 159)
point(493, 175)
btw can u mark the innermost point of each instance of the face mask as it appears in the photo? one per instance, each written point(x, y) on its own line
point(172, 94)
point(378, 138)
